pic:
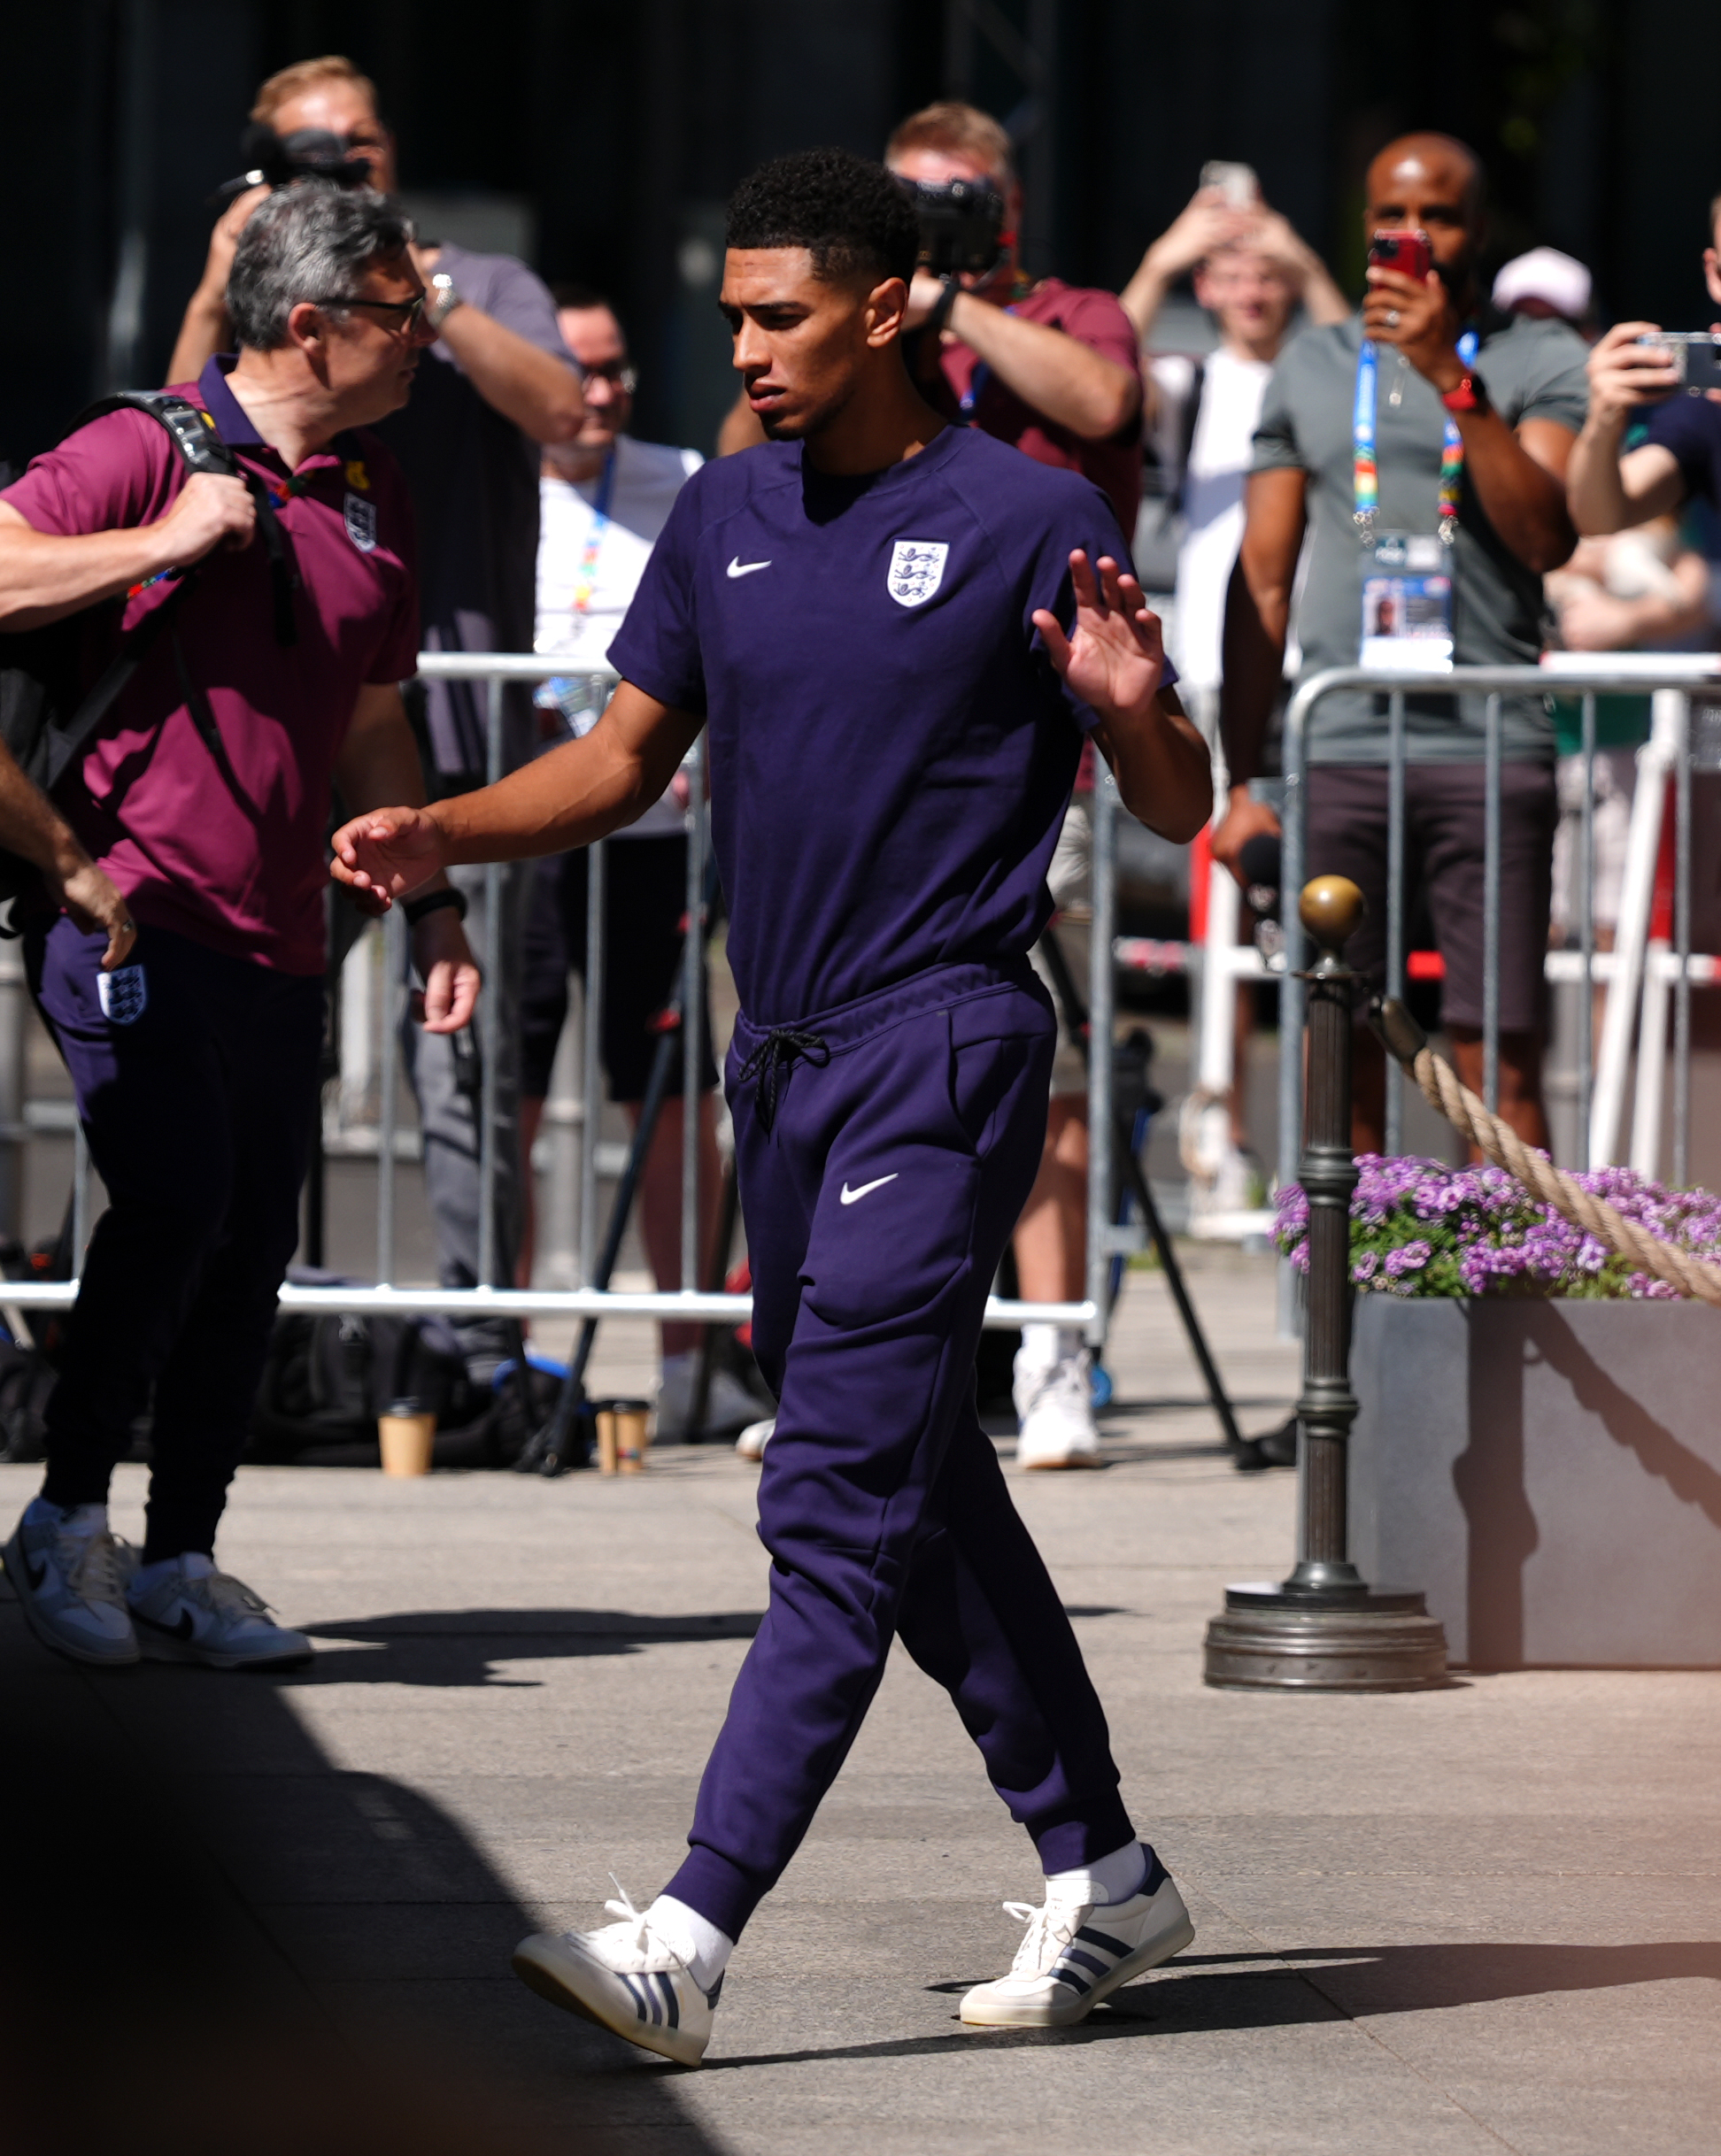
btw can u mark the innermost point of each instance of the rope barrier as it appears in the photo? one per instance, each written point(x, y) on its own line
point(1444, 1090)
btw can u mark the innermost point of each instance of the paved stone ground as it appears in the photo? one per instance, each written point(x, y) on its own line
point(1484, 1919)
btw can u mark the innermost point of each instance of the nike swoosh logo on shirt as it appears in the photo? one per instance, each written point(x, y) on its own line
point(849, 1196)
point(738, 568)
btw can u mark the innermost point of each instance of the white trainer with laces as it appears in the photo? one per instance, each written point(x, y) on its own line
point(1055, 1411)
point(193, 1613)
point(627, 1979)
point(69, 1575)
point(1075, 1954)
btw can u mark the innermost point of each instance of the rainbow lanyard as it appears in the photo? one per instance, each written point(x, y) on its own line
point(1365, 468)
point(586, 575)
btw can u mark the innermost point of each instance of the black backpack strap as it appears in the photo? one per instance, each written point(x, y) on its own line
point(1188, 421)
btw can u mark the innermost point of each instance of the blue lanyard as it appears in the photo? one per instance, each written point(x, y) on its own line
point(1365, 470)
point(586, 575)
point(978, 381)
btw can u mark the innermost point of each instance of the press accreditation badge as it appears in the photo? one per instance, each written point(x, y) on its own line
point(1407, 604)
point(361, 523)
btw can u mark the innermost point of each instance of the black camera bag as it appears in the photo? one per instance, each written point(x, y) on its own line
point(43, 720)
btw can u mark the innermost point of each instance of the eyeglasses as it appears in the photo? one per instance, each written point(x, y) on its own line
point(410, 310)
point(617, 373)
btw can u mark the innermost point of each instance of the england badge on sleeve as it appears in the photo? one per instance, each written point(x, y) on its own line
point(361, 523)
point(917, 567)
point(124, 994)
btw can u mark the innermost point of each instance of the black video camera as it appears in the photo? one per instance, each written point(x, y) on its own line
point(961, 225)
point(277, 160)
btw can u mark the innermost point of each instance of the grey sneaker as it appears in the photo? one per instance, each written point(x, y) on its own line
point(194, 1614)
point(71, 1586)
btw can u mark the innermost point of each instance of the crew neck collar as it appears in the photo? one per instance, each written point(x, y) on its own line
point(937, 452)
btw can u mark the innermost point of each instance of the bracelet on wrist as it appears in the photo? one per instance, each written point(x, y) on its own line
point(417, 909)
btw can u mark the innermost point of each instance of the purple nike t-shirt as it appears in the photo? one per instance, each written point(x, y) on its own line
point(890, 748)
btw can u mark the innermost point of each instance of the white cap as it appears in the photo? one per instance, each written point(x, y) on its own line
point(1546, 274)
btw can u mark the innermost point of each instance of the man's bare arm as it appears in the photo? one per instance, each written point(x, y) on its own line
point(531, 387)
point(579, 792)
point(46, 575)
point(1054, 373)
point(1607, 491)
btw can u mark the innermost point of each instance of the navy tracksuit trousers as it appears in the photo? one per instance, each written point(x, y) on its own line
point(884, 1151)
point(196, 1089)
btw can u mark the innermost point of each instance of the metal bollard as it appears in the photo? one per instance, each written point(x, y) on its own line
point(1325, 1628)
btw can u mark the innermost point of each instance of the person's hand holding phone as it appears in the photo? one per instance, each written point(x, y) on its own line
point(1410, 307)
point(1624, 374)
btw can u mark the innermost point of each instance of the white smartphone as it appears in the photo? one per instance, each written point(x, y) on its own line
point(1237, 183)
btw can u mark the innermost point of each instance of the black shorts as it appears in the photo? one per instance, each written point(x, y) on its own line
point(1444, 848)
point(645, 902)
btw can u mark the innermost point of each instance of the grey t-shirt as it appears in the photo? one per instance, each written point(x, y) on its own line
point(473, 477)
point(1532, 371)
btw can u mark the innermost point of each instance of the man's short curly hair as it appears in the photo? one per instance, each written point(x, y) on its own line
point(851, 217)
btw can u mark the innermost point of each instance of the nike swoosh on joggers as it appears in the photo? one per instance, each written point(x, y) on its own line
point(849, 1196)
point(738, 568)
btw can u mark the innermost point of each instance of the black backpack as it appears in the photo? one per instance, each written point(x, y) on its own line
point(43, 720)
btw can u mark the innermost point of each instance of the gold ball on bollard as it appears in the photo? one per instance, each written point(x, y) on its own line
point(1332, 909)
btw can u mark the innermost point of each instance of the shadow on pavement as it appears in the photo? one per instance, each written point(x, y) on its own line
point(216, 1938)
point(460, 1647)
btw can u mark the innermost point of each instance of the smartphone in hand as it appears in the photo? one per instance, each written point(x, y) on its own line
point(1406, 252)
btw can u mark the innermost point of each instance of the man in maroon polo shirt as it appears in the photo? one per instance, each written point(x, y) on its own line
point(206, 800)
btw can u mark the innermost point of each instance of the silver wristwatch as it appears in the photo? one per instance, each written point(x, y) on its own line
point(443, 300)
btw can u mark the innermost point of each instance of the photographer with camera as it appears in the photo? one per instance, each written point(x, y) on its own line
point(495, 385)
point(1426, 433)
point(1646, 450)
point(205, 798)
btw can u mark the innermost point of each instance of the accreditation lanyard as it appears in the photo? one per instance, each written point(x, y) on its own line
point(586, 575)
point(1365, 468)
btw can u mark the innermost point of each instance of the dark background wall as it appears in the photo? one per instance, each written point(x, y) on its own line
point(621, 128)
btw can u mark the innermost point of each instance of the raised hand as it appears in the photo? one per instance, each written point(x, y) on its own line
point(388, 851)
point(1115, 659)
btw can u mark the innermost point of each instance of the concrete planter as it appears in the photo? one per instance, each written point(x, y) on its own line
point(1547, 1473)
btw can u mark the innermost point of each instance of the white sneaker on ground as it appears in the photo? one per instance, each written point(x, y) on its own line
point(1055, 1414)
point(627, 1979)
point(69, 1575)
point(1074, 1954)
point(189, 1612)
point(729, 1405)
point(752, 1441)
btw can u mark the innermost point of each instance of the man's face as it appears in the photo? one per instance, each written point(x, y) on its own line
point(939, 168)
point(1248, 294)
point(368, 360)
point(1423, 186)
point(802, 341)
point(342, 108)
point(594, 338)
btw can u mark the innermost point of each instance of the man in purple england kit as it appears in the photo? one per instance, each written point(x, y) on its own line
point(897, 633)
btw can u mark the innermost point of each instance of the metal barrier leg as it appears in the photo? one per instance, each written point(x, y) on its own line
point(1636, 899)
point(490, 1016)
point(394, 975)
point(1652, 1061)
point(1490, 908)
point(693, 1019)
point(1394, 1087)
point(1586, 937)
point(1682, 948)
point(591, 1079)
point(1102, 1012)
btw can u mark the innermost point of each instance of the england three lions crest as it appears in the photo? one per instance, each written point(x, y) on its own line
point(917, 567)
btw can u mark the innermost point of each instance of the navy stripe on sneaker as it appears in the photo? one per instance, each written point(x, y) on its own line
point(1090, 1961)
point(1103, 1940)
point(1064, 1974)
point(667, 1986)
point(644, 2004)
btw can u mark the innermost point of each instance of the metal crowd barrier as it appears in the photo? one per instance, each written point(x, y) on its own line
point(496, 1299)
point(1636, 975)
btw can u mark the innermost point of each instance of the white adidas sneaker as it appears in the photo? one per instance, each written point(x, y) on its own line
point(1075, 1954)
point(1054, 1408)
point(625, 1978)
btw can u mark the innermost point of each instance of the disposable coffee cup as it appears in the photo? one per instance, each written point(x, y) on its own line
point(631, 1438)
point(604, 1411)
point(407, 1434)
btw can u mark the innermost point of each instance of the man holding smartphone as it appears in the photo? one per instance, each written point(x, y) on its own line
point(1423, 446)
point(1645, 450)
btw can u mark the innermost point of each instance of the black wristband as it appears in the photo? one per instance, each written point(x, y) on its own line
point(939, 318)
point(415, 909)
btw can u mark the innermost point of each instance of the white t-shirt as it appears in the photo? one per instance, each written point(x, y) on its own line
point(1219, 458)
point(646, 478)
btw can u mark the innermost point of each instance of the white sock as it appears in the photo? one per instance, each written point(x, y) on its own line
point(75, 1519)
point(694, 1937)
point(1116, 1877)
point(1045, 1346)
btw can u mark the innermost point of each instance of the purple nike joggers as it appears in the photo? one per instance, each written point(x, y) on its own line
point(885, 1149)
